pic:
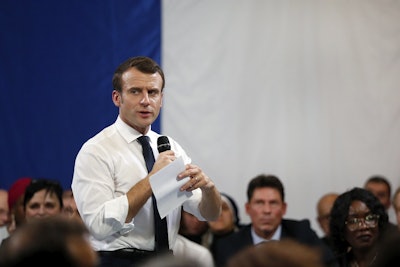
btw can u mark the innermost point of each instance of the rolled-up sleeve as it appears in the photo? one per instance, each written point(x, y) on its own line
point(102, 209)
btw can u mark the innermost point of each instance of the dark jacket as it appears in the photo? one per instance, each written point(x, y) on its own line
point(300, 231)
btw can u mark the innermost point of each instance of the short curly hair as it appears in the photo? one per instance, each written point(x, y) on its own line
point(340, 211)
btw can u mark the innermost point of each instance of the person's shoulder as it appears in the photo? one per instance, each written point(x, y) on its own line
point(102, 139)
point(101, 135)
point(298, 223)
point(229, 245)
point(300, 229)
point(239, 236)
point(392, 227)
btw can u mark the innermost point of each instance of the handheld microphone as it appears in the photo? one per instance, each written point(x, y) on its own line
point(163, 144)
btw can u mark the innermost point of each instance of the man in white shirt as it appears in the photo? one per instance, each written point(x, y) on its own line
point(111, 183)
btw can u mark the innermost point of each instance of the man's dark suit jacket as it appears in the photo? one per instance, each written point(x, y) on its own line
point(298, 230)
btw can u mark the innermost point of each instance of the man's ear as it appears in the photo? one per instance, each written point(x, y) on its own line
point(284, 207)
point(247, 207)
point(116, 98)
point(162, 97)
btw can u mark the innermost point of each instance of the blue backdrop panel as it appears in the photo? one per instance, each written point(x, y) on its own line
point(56, 64)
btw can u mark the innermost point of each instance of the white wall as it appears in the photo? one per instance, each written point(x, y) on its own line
point(307, 90)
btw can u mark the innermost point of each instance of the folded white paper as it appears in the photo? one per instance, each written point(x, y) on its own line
point(165, 186)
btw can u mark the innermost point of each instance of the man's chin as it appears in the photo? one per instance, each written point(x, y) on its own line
point(267, 230)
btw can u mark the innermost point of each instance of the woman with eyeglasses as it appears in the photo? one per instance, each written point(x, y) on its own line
point(358, 223)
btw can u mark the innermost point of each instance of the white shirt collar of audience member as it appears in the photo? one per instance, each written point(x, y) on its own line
point(257, 239)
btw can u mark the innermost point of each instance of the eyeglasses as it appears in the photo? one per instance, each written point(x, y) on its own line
point(371, 220)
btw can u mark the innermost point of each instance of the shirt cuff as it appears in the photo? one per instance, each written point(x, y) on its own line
point(115, 211)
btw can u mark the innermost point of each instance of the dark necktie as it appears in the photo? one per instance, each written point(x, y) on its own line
point(160, 225)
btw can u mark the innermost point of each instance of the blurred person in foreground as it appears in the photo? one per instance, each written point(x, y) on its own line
point(284, 253)
point(48, 242)
point(168, 261)
point(266, 207)
point(358, 224)
point(111, 180)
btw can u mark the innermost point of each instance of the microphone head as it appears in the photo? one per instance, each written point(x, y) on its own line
point(163, 144)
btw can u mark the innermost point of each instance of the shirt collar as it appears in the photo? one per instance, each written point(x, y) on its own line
point(258, 239)
point(129, 133)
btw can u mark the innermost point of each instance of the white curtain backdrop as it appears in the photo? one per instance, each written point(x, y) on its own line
point(308, 90)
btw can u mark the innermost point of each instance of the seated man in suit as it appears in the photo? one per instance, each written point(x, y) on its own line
point(266, 207)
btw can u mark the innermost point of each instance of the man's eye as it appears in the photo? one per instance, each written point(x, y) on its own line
point(153, 92)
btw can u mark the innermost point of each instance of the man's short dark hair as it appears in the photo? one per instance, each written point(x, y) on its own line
point(264, 180)
point(381, 180)
point(141, 63)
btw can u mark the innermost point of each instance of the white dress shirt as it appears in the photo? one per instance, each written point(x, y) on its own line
point(106, 167)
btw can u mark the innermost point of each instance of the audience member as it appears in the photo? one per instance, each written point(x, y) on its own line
point(48, 242)
point(192, 228)
point(4, 214)
point(358, 222)
point(111, 180)
point(324, 207)
point(388, 255)
point(266, 207)
point(43, 198)
point(188, 249)
point(69, 205)
point(284, 253)
point(381, 188)
point(396, 205)
point(16, 202)
point(227, 223)
point(4, 211)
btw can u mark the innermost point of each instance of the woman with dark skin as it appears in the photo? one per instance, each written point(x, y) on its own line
point(358, 222)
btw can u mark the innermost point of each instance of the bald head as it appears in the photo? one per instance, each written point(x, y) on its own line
point(324, 207)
